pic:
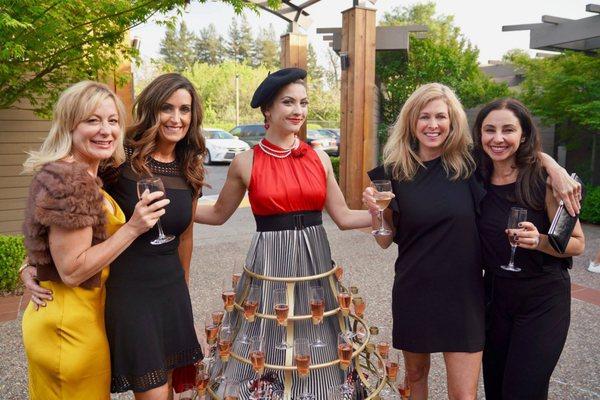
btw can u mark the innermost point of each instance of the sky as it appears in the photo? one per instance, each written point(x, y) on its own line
point(481, 21)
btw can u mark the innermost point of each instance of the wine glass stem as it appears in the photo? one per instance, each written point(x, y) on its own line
point(513, 248)
point(283, 335)
point(161, 234)
point(303, 380)
point(381, 219)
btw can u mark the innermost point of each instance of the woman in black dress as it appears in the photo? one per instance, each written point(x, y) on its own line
point(149, 320)
point(530, 310)
point(438, 296)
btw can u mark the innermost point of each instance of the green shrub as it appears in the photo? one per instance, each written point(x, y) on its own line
point(590, 210)
point(335, 162)
point(12, 254)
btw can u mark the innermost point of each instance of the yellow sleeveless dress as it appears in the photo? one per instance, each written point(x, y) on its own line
point(65, 341)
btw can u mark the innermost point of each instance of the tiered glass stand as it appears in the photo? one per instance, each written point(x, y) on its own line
point(369, 365)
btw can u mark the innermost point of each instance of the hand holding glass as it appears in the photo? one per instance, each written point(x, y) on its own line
point(154, 185)
point(383, 195)
point(516, 216)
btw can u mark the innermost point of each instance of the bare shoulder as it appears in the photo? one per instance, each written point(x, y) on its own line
point(324, 157)
point(241, 166)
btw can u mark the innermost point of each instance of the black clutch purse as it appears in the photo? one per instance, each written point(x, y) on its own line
point(563, 224)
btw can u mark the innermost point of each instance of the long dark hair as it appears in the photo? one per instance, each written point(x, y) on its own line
point(531, 185)
point(142, 136)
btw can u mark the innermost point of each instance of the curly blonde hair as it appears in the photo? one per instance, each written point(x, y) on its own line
point(400, 153)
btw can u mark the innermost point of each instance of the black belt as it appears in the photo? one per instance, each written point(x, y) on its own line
point(290, 221)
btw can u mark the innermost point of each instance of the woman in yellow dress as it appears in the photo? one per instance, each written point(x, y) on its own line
point(73, 230)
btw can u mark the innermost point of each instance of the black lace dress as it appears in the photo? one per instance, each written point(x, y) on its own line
point(149, 320)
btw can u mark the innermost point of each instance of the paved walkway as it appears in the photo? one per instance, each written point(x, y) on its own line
point(219, 249)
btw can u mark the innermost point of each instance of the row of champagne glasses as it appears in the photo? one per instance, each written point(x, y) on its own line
point(281, 308)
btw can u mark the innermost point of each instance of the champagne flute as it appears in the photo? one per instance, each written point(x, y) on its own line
point(302, 359)
point(223, 346)
point(404, 388)
point(228, 295)
point(317, 308)
point(392, 365)
point(154, 185)
point(235, 278)
point(383, 195)
point(202, 378)
point(383, 348)
point(235, 275)
point(224, 343)
point(211, 329)
point(344, 350)
point(516, 216)
point(359, 306)
point(217, 317)
point(232, 390)
point(251, 303)
point(344, 298)
point(257, 354)
point(339, 272)
point(281, 311)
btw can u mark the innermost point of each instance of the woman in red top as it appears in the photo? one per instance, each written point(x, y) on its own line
point(289, 183)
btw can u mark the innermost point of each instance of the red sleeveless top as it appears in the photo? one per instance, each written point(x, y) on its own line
point(297, 182)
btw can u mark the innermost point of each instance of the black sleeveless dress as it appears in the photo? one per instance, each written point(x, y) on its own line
point(437, 296)
point(149, 320)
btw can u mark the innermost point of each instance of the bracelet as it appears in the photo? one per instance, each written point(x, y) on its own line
point(22, 267)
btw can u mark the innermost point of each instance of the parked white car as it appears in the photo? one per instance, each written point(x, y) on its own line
point(222, 146)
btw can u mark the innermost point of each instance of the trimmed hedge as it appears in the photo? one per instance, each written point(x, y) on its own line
point(335, 162)
point(590, 210)
point(12, 254)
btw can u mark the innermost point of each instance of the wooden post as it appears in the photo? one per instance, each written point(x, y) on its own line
point(125, 92)
point(357, 127)
point(294, 51)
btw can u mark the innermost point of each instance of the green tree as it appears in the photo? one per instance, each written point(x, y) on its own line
point(49, 44)
point(324, 99)
point(562, 89)
point(266, 49)
point(177, 47)
point(444, 56)
point(565, 90)
point(209, 46)
point(216, 87)
point(315, 72)
point(332, 73)
point(241, 42)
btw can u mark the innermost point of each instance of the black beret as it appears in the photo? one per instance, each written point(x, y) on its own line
point(273, 82)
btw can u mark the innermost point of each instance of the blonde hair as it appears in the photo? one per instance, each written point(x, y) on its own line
point(75, 104)
point(400, 153)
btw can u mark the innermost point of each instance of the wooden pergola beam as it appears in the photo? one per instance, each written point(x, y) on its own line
point(387, 37)
point(556, 33)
